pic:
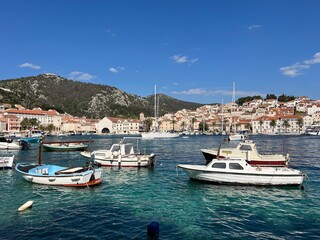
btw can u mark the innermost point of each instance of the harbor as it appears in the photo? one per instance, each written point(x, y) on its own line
point(129, 199)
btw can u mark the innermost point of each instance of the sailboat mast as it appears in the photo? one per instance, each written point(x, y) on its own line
point(222, 117)
point(233, 102)
point(155, 108)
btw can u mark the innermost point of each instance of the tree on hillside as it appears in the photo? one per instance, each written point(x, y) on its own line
point(148, 124)
point(285, 98)
point(271, 96)
point(273, 124)
point(203, 126)
point(27, 123)
point(260, 123)
point(182, 125)
point(193, 120)
point(300, 123)
point(286, 124)
point(241, 101)
point(248, 126)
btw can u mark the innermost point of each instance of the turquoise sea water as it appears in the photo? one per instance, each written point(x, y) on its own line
point(129, 198)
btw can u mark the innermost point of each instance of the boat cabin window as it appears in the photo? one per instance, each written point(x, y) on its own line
point(3, 139)
point(128, 149)
point(235, 166)
point(245, 148)
point(115, 148)
point(219, 165)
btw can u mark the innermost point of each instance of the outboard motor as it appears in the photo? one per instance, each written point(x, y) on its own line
point(25, 145)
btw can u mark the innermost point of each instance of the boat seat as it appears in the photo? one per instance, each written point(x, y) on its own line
point(70, 170)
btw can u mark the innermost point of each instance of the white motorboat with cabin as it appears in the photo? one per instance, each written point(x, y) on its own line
point(9, 144)
point(121, 154)
point(247, 150)
point(239, 172)
point(313, 130)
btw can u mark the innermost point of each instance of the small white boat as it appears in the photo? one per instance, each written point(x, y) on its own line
point(239, 172)
point(6, 162)
point(9, 144)
point(63, 147)
point(313, 130)
point(247, 150)
point(121, 155)
point(48, 174)
point(60, 176)
point(158, 135)
point(237, 137)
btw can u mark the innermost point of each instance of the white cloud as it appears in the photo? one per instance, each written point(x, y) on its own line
point(316, 59)
point(218, 92)
point(295, 69)
point(29, 65)
point(252, 27)
point(113, 70)
point(81, 76)
point(110, 32)
point(116, 69)
point(183, 59)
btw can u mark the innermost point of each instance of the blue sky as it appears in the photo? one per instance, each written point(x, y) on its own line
point(193, 50)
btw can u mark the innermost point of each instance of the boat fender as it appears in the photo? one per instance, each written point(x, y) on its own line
point(25, 206)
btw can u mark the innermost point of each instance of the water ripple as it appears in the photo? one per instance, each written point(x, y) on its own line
point(129, 199)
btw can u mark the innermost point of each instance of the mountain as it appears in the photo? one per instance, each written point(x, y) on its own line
point(49, 91)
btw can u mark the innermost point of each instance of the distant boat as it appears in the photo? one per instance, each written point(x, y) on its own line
point(9, 144)
point(235, 136)
point(239, 172)
point(65, 146)
point(31, 139)
point(156, 134)
point(314, 130)
point(6, 162)
point(121, 155)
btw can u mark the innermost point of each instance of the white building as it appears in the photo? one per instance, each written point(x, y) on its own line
point(43, 117)
point(118, 126)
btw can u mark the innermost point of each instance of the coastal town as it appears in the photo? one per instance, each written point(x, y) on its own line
point(256, 117)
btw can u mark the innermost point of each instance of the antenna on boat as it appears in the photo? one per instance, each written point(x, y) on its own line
point(40, 154)
point(219, 149)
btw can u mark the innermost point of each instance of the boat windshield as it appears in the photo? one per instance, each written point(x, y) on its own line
point(3, 139)
point(245, 148)
point(115, 147)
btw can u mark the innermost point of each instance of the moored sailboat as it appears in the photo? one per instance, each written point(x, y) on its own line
point(155, 134)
